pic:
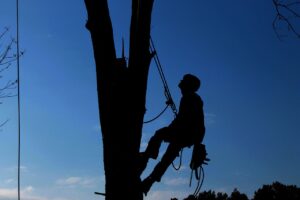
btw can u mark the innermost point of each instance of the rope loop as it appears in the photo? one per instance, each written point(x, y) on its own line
point(154, 118)
point(167, 93)
point(180, 161)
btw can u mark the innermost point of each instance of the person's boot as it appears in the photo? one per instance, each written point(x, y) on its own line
point(146, 184)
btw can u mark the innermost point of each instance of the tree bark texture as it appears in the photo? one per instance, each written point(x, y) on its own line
point(121, 95)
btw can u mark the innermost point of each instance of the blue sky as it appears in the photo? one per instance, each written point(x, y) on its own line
point(250, 88)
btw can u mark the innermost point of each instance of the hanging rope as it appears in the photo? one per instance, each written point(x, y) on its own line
point(167, 93)
point(19, 104)
point(163, 78)
point(200, 178)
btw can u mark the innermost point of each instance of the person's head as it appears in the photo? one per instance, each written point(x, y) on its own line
point(189, 83)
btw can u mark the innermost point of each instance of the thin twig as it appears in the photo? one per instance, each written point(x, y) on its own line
point(3, 123)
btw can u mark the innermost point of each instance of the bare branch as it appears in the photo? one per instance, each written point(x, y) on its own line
point(5, 68)
point(286, 12)
point(3, 123)
point(275, 28)
point(289, 7)
point(4, 55)
point(4, 32)
point(7, 58)
point(293, 3)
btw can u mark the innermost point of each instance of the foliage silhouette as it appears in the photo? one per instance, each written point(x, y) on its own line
point(211, 195)
point(236, 195)
point(277, 191)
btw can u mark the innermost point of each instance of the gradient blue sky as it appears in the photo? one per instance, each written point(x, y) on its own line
point(250, 91)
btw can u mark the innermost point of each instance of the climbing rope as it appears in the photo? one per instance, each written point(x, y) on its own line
point(163, 78)
point(167, 93)
point(157, 116)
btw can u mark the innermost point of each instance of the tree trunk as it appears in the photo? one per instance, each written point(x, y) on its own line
point(121, 95)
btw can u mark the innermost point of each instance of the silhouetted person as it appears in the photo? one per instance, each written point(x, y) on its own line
point(186, 129)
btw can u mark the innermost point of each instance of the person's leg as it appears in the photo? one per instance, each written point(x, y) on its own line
point(160, 135)
point(152, 149)
point(167, 159)
point(159, 170)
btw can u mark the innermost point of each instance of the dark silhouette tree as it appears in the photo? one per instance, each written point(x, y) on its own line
point(121, 95)
point(277, 191)
point(190, 197)
point(207, 195)
point(212, 195)
point(221, 196)
point(236, 195)
point(7, 57)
